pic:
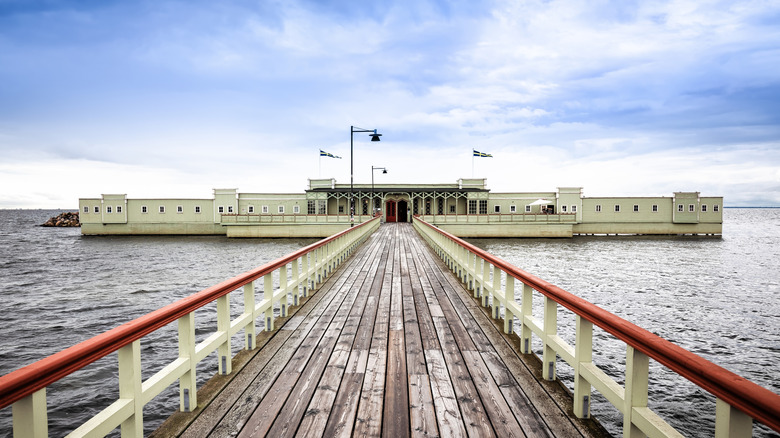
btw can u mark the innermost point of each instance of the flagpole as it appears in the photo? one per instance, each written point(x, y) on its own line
point(472, 164)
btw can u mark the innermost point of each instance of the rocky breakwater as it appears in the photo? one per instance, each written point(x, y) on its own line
point(63, 220)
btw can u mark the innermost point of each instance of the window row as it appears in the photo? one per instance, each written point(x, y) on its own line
point(654, 208)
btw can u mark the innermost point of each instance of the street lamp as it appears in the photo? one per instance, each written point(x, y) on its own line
point(374, 137)
point(373, 205)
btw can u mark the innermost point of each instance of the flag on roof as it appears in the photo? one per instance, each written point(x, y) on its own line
point(481, 154)
point(327, 154)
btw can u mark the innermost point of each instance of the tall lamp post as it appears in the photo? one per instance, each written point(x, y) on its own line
point(374, 137)
point(373, 205)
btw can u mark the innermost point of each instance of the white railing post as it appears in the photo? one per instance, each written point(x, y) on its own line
point(637, 370)
point(296, 282)
point(731, 422)
point(527, 309)
point(509, 295)
point(30, 416)
point(485, 282)
point(496, 292)
point(478, 262)
point(583, 353)
point(283, 301)
point(307, 275)
point(249, 307)
point(188, 393)
point(470, 262)
point(549, 356)
point(223, 325)
point(130, 388)
point(268, 294)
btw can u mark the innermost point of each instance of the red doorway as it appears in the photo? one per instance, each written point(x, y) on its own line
point(390, 210)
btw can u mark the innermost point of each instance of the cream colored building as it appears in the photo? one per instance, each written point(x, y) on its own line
point(466, 208)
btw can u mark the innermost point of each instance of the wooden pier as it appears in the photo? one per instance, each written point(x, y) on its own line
point(390, 345)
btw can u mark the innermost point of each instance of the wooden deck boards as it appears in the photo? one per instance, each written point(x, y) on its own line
point(391, 345)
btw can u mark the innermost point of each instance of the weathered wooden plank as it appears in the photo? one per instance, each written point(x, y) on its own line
point(501, 417)
point(395, 418)
point(445, 402)
point(368, 421)
point(421, 412)
point(342, 414)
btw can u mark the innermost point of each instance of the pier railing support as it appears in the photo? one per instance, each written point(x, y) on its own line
point(25, 388)
point(746, 400)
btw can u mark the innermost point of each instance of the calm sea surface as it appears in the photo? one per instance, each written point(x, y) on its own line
point(714, 296)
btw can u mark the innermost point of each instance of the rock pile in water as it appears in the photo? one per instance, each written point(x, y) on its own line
point(63, 220)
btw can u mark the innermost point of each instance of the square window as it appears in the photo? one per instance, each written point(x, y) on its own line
point(179, 209)
point(617, 208)
point(221, 209)
point(598, 208)
point(691, 207)
point(636, 207)
point(118, 208)
point(704, 207)
point(197, 209)
point(655, 208)
point(497, 209)
point(162, 209)
point(527, 208)
point(716, 207)
point(86, 209)
point(144, 209)
point(108, 209)
point(296, 209)
point(452, 209)
point(251, 209)
point(230, 209)
point(281, 209)
point(563, 209)
point(680, 208)
point(573, 208)
point(513, 209)
point(97, 209)
point(265, 209)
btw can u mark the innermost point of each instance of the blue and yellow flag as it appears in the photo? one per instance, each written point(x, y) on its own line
point(481, 154)
point(327, 154)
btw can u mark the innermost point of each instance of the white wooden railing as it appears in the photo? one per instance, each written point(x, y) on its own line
point(297, 274)
point(738, 401)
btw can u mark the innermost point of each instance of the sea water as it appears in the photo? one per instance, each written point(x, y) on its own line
point(714, 296)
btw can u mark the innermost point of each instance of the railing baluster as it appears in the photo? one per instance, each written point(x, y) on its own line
point(283, 301)
point(223, 325)
point(188, 395)
point(550, 329)
point(30, 416)
point(731, 422)
point(509, 295)
point(583, 353)
point(268, 294)
point(496, 291)
point(296, 282)
point(130, 388)
point(250, 328)
point(527, 309)
point(637, 369)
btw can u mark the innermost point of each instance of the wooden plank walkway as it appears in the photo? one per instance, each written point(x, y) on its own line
point(391, 345)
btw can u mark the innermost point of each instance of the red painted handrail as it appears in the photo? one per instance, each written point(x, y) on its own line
point(27, 380)
point(756, 401)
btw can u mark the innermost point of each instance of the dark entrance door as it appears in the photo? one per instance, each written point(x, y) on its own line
point(390, 210)
point(402, 211)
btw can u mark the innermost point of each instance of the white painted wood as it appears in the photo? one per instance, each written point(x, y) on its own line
point(731, 422)
point(30, 416)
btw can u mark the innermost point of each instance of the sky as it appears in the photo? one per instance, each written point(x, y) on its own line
point(175, 98)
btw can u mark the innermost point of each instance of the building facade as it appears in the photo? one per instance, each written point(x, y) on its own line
point(466, 208)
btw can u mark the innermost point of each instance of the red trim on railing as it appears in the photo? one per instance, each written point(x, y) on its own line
point(25, 381)
point(756, 401)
